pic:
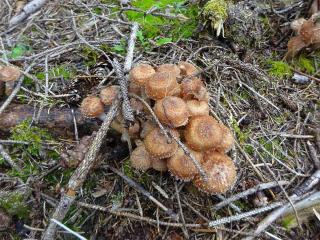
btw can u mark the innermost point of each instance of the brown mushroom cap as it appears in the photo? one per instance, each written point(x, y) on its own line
point(169, 68)
point(310, 32)
point(109, 94)
point(187, 69)
point(140, 158)
point(133, 130)
point(172, 111)
point(141, 73)
point(295, 45)
point(227, 140)
point(194, 89)
point(92, 107)
point(181, 166)
point(134, 88)
point(159, 164)
point(197, 108)
point(9, 73)
point(203, 133)
point(158, 145)
point(296, 24)
point(160, 85)
point(147, 127)
point(221, 173)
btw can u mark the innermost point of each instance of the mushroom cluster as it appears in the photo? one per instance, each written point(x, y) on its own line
point(180, 102)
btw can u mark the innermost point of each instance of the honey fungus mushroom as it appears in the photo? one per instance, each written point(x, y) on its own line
point(160, 85)
point(159, 164)
point(172, 69)
point(187, 69)
point(172, 111)
point(109, 94)
point(140, 158)
point(182, 167)
point(194, 89)
point(9, 75)
point(221, 173)
point(203, 133)
point(227, 140)
point(158, 145)
point(141, 73)
point(197, 108)
point(92, 107)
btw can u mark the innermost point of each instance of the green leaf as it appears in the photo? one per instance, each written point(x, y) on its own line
point(162, 41)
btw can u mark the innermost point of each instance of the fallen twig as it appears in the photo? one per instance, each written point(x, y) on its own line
point(28, 9)
point(248, 192)
point(8, 159)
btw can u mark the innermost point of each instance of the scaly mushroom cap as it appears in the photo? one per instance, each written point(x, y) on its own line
point(296, 24)
point(158, 145)
point(221, 173)
point(227, 140)
point(134, 88)
point(197, 108)
point(181, 166)
point(172, 111)
point(159, 164)
point(147, 127)
point(161, 84)
point(187, 69)
point(137, 106)
point(169, 68)
point(9, 73)
point(310, 32)
point(295, 45)
point(92, 107)
point(194, 89)
point(109, 94)
point(140, 158)
point(141, 73)
point(203, 133)
point(133, 130)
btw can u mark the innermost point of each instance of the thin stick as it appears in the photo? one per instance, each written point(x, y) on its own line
point(131, 44)
point(68, 229)
point(8, 159)
point(248, 192)
point(80, 174)
point(144, 192)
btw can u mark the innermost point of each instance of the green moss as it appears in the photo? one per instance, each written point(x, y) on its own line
point(14, 204)
point(305, 64)
point(273, 147)
point(127, 168)
point(216, 12)
point(242, 136)
point(279, 69)
point(90, 55)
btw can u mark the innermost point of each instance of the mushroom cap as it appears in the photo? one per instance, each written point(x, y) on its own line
point(172, 111)
point(181, 166)
point(310, 32)
point(147, 127)
point(140, 158)
point(159, 164)
point(9, 73)
point(134, 88)
point(197, 108)
point(169, 68)
point(158, 145)
point(296, 24)
point(203, 133)
point(194, 89)
point(227, 140)
point(91, 107)
point(187, 69)
point(141, 73)
point(109, 94)
point(137, 106)
point(295, 45)
point(133, 130)
point(160, 85)
point(221, 173)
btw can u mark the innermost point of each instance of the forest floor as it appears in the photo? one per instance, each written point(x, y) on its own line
point(64, 51)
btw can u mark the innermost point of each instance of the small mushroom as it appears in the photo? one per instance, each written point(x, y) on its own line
point(194, 89)
point(92, 107)
point(9, 75)
point(295, 45)
point(109, 94)
point(159, 164)
point(158, 145)
point(182, 167)
point(172, 111)
point(141, 73)
point(187, 69)
point(227, 140)
point(172, 69)
point(203, 133)
point(197, 108)
point(221, 173)
point(140, 158)
point(160, 85)
point(147, 127)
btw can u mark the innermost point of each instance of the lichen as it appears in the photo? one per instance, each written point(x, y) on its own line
point(216, 12)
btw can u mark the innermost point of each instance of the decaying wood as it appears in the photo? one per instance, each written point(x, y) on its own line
point(59, 120)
